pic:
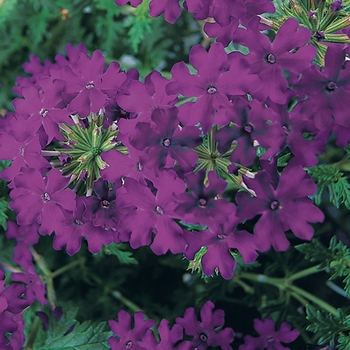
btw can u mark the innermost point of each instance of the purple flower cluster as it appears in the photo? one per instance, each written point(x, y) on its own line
point(204, 333)
point(11, 320)
point(74, 114)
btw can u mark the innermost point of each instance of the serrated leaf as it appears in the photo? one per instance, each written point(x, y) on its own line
point(69, 334)
point(119, 250)
point(332, 179)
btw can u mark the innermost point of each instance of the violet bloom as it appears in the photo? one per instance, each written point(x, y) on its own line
point(103, 206)
point(154, 213)
point(35, 287)
point(165, 142)
point(35, 196)
point(252, 122)
point(327, 90)
point(216, 78)
point(121, 165)
point(92, 85)
point(25, 235)
point(26, 153)
point(170, 8)
point(268, 59)
point(128, 338)
point(42, 109)
point(269, 338)
point(168, 338)
point(11, 321)
point(219, 239)
point(204, 331)
point(203, 207)
point(284, 204)
point(76, 227)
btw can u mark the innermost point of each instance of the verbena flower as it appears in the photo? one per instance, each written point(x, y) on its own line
point(154, 214)
point(204, 332)
point(269, 338)
point(279, 200)
point(36, 198)
point(128, 338)
point(268, 59)
point(11, 321)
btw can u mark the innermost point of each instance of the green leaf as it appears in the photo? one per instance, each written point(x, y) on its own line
point(85, 336)
point(332, 179)
point(119, 250)
point(325, 325)
point(3, 216)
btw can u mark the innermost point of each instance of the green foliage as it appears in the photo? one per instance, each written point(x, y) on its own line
point(329, 178)
point(3, 215)
point(336, 259)
point(328, 327)
point(84, 336)
point(120, 251)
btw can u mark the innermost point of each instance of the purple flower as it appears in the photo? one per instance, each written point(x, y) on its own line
point(327, 90)
point(204, 332)
point(165, 142)
point(202, 206)
point(267, 59)
point(26, 235)
point(154, 213)
point(77, 226)
point(168, 338)
point(35, 287)
point(170, 8)
point(280, 200)
point(269, 338)
point(213, 82)
point(42, 109)
point(36, 196)
point(103, 207)
point(128, 338)
point(26, 153)
point(219, 239)
point(336, 5)
point(252, 122)
point(11, 321)
point(91, 85)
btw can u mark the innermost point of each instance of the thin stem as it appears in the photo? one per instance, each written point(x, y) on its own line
point(67, 267)
point(304, 273)
point(132, 306)
point(314, 299)
point(33, 333)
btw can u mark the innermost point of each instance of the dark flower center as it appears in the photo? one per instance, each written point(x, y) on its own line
point(331, 86)
point(166, 142)
point(319, 35)
point(221, 236)
point(43, 112)
point(31, 281)
point(46, 197)
point(90, 85)
point(139, 166)
point(270, 339)
point(128, 344)
point(78, 222)
point(202, 202)
point(248, 128)
point(105, 204)
point(271, 58)
point(159, 210)
point(212, 90)
point(274, 205)
point(203, 337)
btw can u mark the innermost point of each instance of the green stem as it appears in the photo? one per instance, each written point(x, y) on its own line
point(314, 299)
point(33, 334)
point(304, 273)
point(67, 267)
point(132, 306)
